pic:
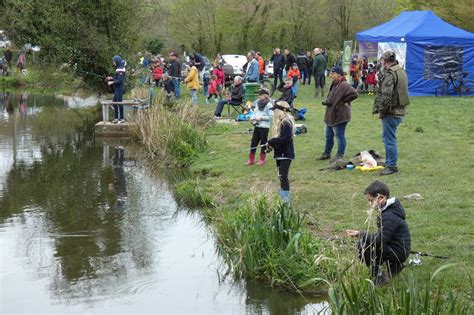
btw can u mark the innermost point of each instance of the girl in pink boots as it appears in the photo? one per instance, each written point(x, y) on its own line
point(261, 120)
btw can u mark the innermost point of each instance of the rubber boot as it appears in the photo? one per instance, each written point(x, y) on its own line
point(251, 160)
point(285, 196)
point(261, 161)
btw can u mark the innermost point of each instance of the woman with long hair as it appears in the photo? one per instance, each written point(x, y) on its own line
point(282, 142)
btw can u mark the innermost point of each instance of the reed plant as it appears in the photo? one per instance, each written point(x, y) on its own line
point(266, 240)
point(173, 134)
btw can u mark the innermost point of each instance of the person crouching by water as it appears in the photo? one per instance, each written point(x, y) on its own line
point(390, 245)
point(261, 121)
point(338, 113)
point(118, 84)
point(282, 142)
point(236, 97)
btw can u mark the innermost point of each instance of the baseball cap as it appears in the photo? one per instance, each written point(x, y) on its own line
point(389, 55)
point(263, 91)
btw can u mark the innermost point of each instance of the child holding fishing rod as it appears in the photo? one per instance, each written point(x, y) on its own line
point(390, 245)
point(118, 84)
point(261, 122)
point(282, 142)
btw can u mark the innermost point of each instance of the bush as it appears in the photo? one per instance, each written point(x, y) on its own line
point(266, 240)
point(174, 136)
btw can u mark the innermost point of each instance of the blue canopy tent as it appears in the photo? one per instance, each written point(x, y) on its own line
point(434, 48)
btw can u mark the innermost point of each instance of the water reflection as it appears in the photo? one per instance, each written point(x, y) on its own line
point(84, 227)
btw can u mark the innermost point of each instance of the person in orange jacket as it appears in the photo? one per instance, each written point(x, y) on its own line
point(294, 74)
point(261, 65)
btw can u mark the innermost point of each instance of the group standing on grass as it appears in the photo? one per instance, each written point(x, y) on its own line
point(390, 245)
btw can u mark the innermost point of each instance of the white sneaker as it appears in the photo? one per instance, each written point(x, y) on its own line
point(121, 121)
point(115, 121)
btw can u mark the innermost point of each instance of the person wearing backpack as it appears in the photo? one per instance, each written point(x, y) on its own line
point(390, 102)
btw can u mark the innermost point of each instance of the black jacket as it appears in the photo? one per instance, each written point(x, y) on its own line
point(393, 235)
point(175, 69)
point(237, 94)
point(289, 61)
point(286, 95)
point(302, 62)
point(283, 145)
point(278, 62)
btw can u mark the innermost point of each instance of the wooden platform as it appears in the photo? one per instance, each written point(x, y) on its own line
point(108, 129)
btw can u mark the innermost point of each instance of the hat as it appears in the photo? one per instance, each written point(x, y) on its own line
point(281, 105)
point(294, 65)
point(173, 54)
point(337, 70)
point(389, 55)
point(263, 91)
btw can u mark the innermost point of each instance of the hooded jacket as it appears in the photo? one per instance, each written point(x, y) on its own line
point(119, 76)
point(302, 62)
point(193, 78)
point(393, 236)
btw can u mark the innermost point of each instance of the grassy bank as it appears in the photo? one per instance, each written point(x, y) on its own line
point(45, 79)
point(435, 148)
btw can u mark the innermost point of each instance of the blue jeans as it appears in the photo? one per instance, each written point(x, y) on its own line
point(389, 137)
point(194, 97)
point(339, 131)
point(177, 90)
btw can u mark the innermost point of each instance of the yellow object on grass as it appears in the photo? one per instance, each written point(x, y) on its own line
point(368, 169)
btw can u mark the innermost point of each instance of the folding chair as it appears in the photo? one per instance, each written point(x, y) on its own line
point(236, 108)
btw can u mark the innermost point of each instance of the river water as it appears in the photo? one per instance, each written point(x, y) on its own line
point(87, 227)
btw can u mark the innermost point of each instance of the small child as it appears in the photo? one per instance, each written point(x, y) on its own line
point(169, 86)
point(282, 142)
point(212, 89)
point(294, 74)
point(218, 71)
point(261, 121)
point(371, 81)
point(157, 74)
point(390, 245)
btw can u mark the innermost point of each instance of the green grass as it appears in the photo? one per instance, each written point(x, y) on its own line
point(436, 144)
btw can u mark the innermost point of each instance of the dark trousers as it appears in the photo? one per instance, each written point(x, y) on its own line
point(304, 75)
point(118, 109)
point(220, 106)
point(283, 170)
point(260, 136)
point(309, 76)
point(278, 75)
point(319, 80)
point(374, 257)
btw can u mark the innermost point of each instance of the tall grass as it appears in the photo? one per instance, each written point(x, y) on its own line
point(262, 239)
point(357, 295)
point(172, 133)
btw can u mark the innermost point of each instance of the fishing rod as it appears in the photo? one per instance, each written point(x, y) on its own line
point(428, 255)
point(236, 152)
point(91, 73)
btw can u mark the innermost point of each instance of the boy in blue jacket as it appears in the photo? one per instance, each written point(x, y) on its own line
point(118, 84)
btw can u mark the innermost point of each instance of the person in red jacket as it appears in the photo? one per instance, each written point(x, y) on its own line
point(371, 81)
point(218, 71)
point(261, 66)
point(294, 74)
point(157, 73)
point(212, 89)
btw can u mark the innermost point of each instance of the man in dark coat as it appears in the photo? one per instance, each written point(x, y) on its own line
point(319, 67)
point(391, 244)
point(278, 64)
point(289, 59)
point(302, 62)
point(174, 72)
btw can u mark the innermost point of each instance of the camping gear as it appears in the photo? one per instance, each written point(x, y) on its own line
point(301, 129)
point(298, 114)
point(245, 117)
point(251, 91)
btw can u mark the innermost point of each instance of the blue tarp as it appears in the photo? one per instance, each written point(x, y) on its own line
point(435, 48)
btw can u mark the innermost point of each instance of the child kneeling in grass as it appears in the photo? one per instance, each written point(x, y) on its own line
point(390, 245)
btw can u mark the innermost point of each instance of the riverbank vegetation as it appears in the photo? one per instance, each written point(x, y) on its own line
point(332, 201)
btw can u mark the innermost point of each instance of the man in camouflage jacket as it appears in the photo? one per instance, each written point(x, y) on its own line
point(389, 105)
